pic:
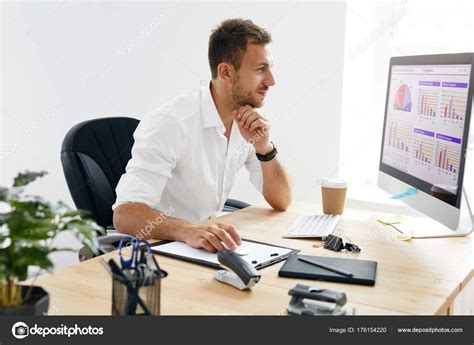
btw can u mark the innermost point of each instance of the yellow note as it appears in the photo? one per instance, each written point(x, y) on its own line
point(396, 236)
point(390, 223)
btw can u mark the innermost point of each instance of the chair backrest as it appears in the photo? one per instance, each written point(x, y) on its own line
point(94, 155)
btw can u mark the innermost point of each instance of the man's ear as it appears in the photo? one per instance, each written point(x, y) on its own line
point(226, 72)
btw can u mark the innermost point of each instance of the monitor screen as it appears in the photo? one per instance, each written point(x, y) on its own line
point(426, 125)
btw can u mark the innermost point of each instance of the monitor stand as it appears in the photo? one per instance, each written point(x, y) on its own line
point(425, 227)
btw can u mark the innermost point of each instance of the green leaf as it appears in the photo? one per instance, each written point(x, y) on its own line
point(80, 213)
point(35, 207)
point(32, 223)
point(85, 233)
point(25, 178)
point(35, 255)
point(65, 249)
point(23, 227)
point(3, 264)
point(3, 194)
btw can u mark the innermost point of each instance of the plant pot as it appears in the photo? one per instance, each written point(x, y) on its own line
point(37, 304)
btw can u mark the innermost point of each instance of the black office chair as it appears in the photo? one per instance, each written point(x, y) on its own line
point(94, 155)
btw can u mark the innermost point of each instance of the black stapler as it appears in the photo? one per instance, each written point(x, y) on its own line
point(240, 273)
point(310, 300)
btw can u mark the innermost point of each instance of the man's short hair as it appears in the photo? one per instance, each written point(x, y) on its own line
point(228, 42)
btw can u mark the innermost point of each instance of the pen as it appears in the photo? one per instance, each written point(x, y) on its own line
point(135, 298)
point(330, 268)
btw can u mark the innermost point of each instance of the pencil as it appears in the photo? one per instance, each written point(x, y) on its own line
point(330, 268)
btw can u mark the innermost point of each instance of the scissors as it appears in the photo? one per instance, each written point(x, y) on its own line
point(131, 244)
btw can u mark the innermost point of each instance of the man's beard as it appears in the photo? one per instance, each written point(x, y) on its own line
point(242, 97)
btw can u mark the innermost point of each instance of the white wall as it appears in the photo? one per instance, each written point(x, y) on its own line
point(66, 62)
point(376, 31)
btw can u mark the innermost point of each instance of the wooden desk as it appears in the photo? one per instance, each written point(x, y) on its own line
point(420, 277)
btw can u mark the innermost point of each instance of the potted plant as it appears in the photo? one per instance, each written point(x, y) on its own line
point(28, 226)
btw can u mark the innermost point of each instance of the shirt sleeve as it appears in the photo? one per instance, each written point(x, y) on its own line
point(252, 164)
point(159, 144)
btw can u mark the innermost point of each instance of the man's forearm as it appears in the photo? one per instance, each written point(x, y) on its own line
point(277, 187)
point(142, 221)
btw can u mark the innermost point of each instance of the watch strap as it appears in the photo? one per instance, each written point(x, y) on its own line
point(269, 156)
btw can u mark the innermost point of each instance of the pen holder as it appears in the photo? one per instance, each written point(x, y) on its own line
point(135, 295)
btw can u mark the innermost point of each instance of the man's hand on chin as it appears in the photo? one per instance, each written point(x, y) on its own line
point(254, 128)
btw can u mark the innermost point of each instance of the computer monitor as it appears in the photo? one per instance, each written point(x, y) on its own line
point(425, 136)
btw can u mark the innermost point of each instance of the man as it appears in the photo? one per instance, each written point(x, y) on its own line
point(187, 152)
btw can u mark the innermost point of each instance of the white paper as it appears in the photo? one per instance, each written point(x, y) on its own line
point(257, 252)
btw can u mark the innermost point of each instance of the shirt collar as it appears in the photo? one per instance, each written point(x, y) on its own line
point(209, 115)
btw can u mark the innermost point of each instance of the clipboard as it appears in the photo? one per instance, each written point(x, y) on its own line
point(260, 255)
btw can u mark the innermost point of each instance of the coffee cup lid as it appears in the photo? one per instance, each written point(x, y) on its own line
point(332, 183)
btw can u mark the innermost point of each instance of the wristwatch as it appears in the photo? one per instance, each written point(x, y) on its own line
point(269, 156)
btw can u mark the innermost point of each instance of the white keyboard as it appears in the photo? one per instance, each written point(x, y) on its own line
point(313, 226)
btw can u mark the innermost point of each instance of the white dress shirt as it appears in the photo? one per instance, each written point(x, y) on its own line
point(182, 161)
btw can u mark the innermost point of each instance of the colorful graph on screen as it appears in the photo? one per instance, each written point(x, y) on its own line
point(448, 154)
point(426, 110)
point(423, 145)
point(403, 98)
point(428, 98)
point(399, 136)
point(453, 100)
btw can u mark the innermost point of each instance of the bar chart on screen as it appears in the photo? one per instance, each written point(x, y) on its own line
point(423, 144)
point(399, 135)
point(425, 115)
point(398, 141)
point(447, 158)
point(422, 153)
point(453, 101)
point(428, 97)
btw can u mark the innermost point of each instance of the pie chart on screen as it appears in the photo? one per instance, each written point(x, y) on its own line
point(403, 98)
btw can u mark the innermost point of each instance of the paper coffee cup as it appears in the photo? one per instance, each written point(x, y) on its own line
point(334, 195)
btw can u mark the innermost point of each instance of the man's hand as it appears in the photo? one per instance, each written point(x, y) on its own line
point(254, 128)
point(210, 237)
